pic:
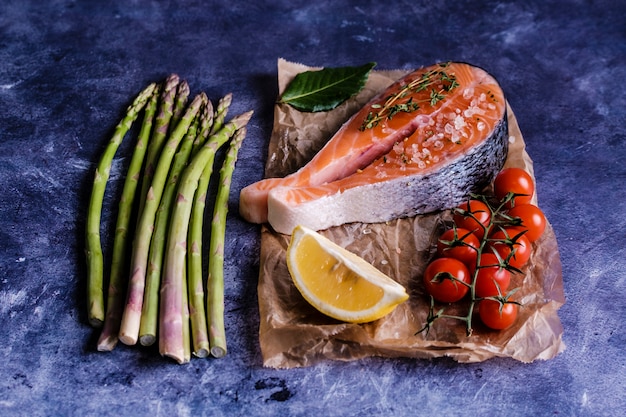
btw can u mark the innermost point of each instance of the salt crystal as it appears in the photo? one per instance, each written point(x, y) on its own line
point(423, 119)
point(459, 123)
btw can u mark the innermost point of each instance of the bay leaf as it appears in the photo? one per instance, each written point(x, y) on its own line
point(325, 89)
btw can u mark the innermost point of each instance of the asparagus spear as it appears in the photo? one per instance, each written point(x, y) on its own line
point(93, 248)
point(215, 281)
point(194, 257)
point(166, 109)
point(149, 312)
point(115, 299)
point(197, 314)
point(171, 332)
point(129, 330)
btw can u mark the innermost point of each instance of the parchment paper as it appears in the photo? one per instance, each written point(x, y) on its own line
point(294, 334)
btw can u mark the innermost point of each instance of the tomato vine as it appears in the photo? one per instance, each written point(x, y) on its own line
point(499, 229)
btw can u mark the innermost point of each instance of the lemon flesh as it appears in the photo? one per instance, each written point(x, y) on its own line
point(337, 282)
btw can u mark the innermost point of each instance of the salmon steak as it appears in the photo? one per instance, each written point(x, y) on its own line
point(424, 144)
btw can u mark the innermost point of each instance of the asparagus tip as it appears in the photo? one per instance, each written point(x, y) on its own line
point(172, 79)
point(183, 88)
point(243, 119)
point(228, 98)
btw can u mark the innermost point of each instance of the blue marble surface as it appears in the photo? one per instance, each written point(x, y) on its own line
point(68, 68)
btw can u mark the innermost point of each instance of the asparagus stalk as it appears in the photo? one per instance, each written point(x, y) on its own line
point(215, 281)
point(93, 248)
point(161, 126)
point(129, 330)
point(115, 297)
point(185, 319)
point(195, 290)
point(149, 312)
point(194, 257)
point(171, 343)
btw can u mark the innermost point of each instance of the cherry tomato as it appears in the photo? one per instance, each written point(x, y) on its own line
point(474, 217)
point(532, 219)
point(507, 240)
point(459, 244)
point(440, 279)
point(517, 181)
point(497, 315)
point(490, 277)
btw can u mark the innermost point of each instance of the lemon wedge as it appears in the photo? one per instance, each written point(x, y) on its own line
point(337, 282)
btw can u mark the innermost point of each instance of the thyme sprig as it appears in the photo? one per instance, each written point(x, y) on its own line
point(437, 80)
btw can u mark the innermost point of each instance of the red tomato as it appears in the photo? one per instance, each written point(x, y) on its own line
point(507, 240)
point(442, 277)
point(490, 277)
point(473, 215)
point(459, 244)
point(497, 315)
point(517, 181)
point(532, 219)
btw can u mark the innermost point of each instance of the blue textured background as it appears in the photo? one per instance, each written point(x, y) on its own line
point(68, 70)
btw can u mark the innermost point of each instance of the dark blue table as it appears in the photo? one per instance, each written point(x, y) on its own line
point(69, 68)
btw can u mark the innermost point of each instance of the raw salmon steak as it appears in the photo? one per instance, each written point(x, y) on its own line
point(424, 144)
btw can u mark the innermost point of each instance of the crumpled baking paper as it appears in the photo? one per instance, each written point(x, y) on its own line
point(294, 334)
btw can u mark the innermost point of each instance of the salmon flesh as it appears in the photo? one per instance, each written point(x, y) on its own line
point(424, 144)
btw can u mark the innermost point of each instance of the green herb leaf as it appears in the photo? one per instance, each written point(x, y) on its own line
point(323, 90)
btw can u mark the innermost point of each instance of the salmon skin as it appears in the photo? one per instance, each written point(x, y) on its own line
point(424, 144)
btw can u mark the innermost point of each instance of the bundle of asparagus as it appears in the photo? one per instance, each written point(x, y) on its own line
point(163, 293)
